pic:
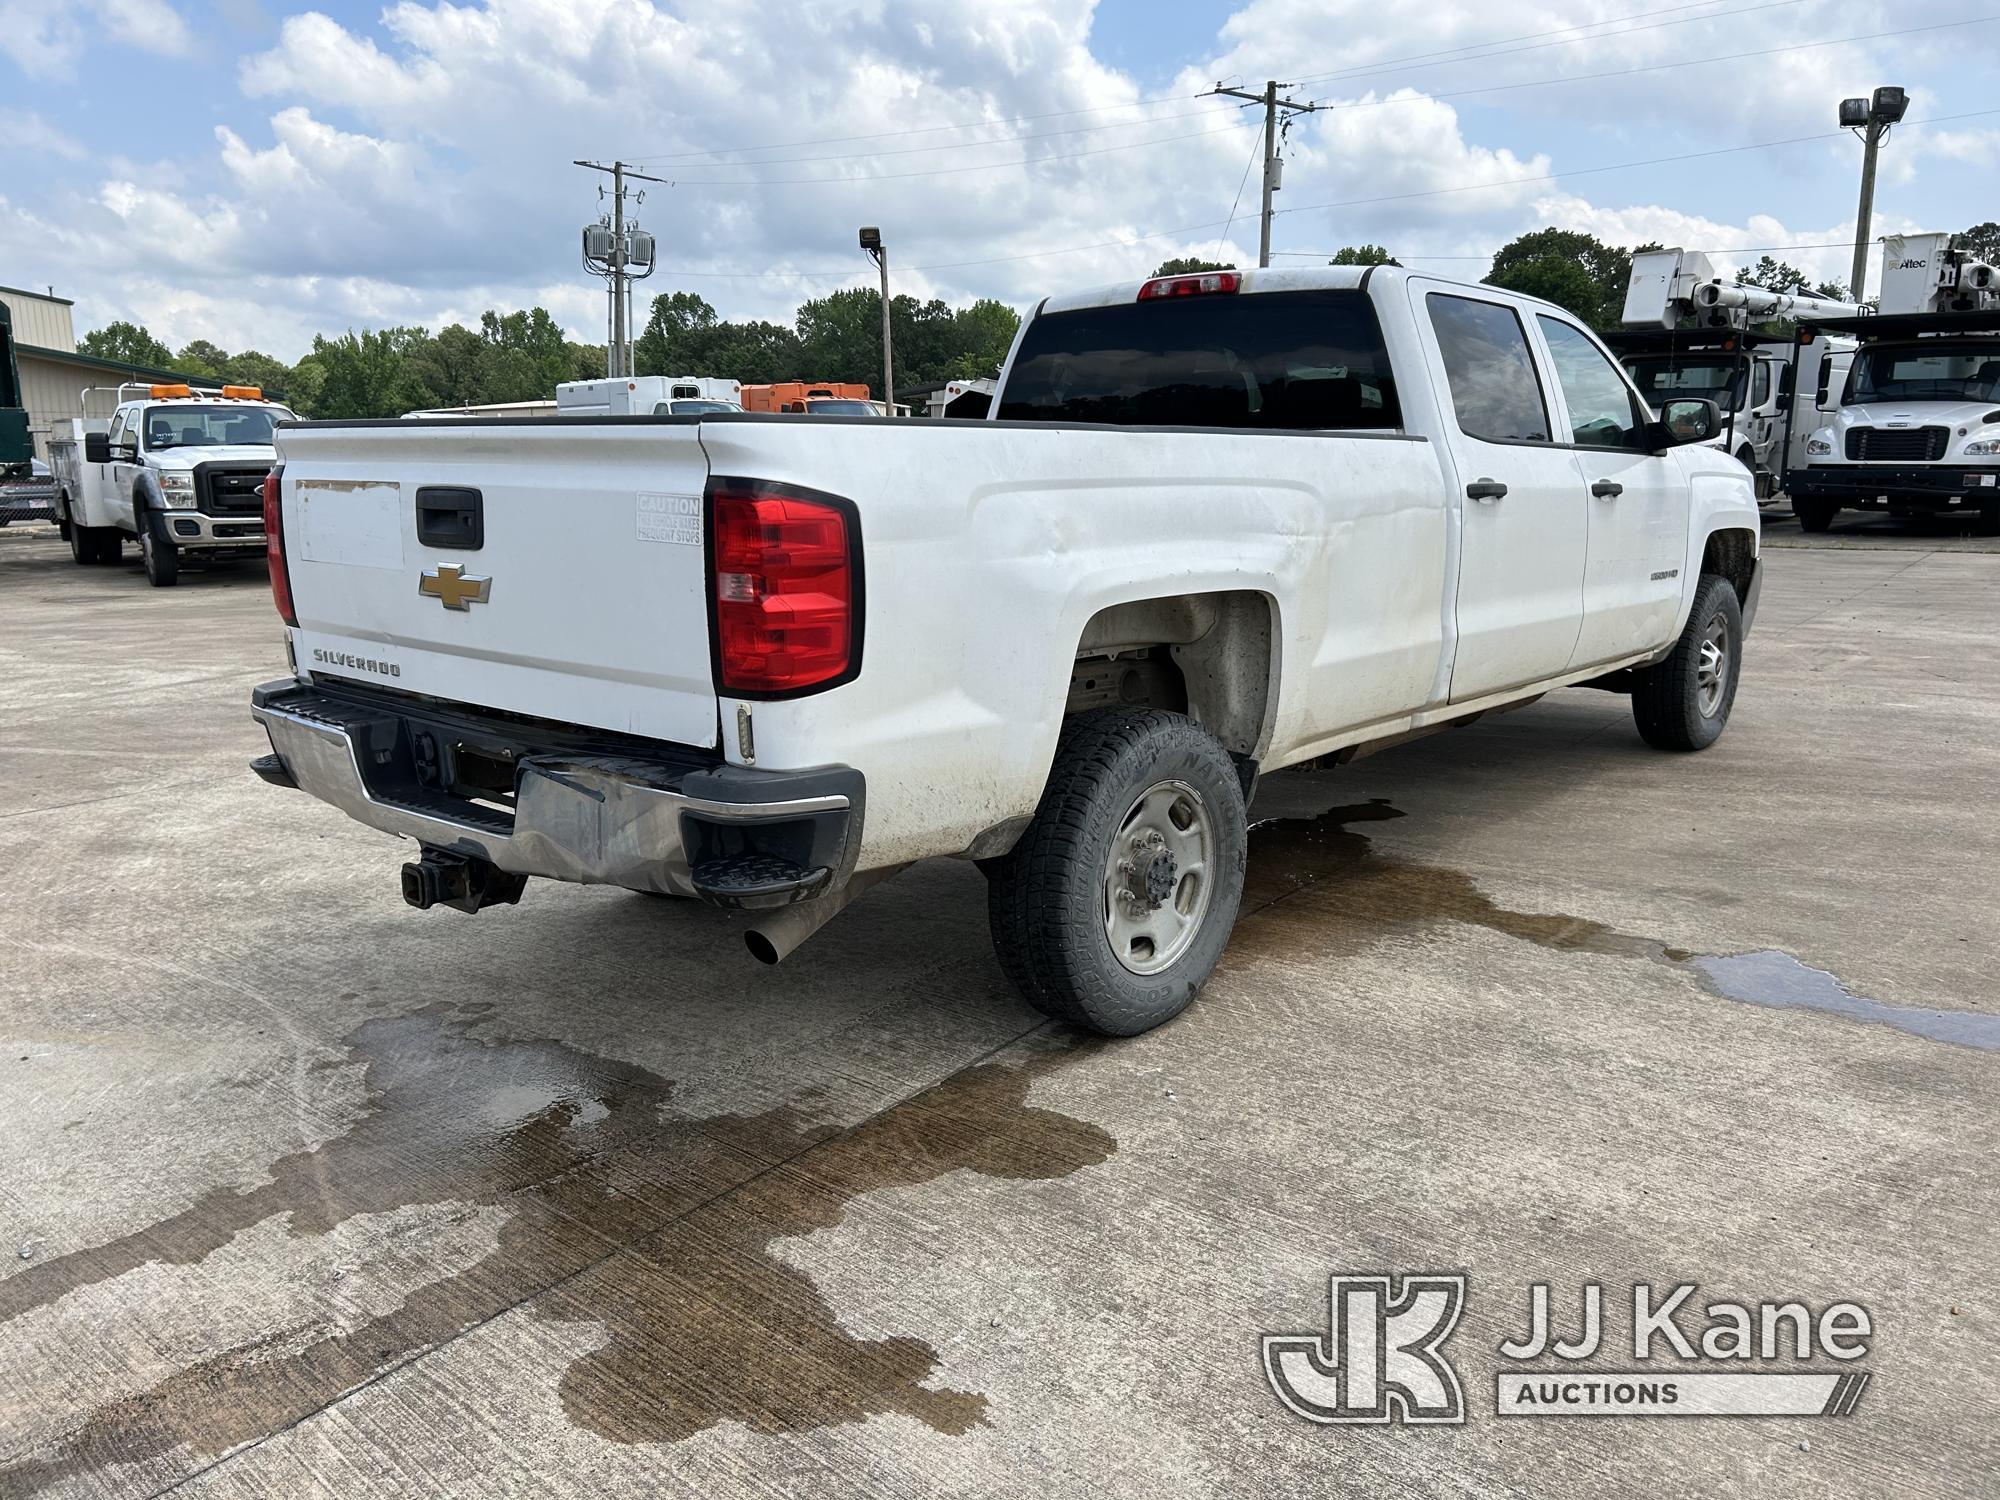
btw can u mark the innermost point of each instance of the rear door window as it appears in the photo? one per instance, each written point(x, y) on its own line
point(1298, 361)
point(1494, 388)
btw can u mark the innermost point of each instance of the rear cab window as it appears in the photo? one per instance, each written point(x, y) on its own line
point(1290, 361)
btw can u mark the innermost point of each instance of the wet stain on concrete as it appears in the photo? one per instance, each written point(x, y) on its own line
point(1371, 895)
point(1768, 977)
point(661, 1229)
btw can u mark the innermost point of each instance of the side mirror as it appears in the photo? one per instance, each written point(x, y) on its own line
point(1690, 419)
point(96, 448)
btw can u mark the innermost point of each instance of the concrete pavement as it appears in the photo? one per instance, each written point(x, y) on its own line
point(319, 1194)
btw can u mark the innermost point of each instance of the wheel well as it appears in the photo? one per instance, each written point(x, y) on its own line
point(1206, 655)
point(1733, 554)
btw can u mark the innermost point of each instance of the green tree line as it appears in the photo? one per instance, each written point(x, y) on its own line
point(523, 356)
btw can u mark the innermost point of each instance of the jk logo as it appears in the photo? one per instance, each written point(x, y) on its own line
point(1379, 1361)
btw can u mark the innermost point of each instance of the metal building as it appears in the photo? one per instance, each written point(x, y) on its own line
point(53, 375)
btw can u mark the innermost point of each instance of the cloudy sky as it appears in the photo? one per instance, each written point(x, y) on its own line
point(252, 172)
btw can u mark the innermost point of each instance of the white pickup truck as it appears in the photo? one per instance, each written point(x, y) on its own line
point(1215, 525)
point(178, 470)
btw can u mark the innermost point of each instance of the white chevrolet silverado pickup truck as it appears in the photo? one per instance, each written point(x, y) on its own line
point(1214, 525)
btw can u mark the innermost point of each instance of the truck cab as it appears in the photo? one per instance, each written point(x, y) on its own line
point(1916, 430)
point(178, 471)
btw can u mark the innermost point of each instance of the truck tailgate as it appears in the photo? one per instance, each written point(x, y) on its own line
point(583, 597)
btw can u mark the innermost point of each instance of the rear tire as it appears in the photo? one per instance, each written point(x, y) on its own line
point(162, 557)
point(1683, 703)
point(1815, 515)
point(89, 545)
point(1115, 905)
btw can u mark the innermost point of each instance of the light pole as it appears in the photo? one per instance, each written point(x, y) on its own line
point(871, 241)
point(1872, 117)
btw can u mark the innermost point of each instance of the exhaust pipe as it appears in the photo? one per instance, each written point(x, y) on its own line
point(772, 938)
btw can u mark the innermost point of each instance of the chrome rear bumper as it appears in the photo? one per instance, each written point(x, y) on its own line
point(732, 835)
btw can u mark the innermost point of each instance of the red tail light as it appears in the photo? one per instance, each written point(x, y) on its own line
point(274, 545)
point(1201, 284)
point(787, 586)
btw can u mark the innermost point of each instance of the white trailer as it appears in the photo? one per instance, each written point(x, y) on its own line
point(649, 395)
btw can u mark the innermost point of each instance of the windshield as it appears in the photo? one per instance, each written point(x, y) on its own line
point(1679, 377)
point(1291, 360)
point(692, 408)
point(1940, 370)
point(844, 408)
point(210, 426)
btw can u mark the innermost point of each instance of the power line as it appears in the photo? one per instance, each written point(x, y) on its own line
point(1131, 240)
point(1446, 58)
point(987, 166)
point(1369, 70)
point(1689, 62)
point(1418, 98)
point(1272, 104)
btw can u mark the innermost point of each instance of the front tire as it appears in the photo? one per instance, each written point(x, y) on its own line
point(1683, 703)
point(162, 557)
point(1115, 905)
point(1815, 515)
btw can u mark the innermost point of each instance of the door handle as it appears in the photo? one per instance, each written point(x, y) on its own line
point(1486, 491)
point(1606, 489)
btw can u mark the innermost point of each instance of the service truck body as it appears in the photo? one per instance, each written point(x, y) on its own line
point(1260, 519)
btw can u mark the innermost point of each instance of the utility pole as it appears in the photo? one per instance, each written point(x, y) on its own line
point(871, 241)
point(1273, 166)
point(618, 358)
point(1872, 117)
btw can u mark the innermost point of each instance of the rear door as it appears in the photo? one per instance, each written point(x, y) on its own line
point(550, 569)
point(1638, 501)
point(1520, 495)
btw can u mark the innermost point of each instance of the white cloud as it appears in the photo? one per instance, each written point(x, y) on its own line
point(418, 168)
point(45, 37)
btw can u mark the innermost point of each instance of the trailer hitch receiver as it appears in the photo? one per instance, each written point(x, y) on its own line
point(441, 878)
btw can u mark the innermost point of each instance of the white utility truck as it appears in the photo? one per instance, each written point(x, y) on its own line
point(1917, 427)
point(1687, 333)
point(1217, 524)
point(177, 469)
point(649, 395)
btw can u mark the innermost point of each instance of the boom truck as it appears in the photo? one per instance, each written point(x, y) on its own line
point(1915, 429)
point(1688, 333)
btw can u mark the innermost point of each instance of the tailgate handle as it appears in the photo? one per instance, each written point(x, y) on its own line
point(452, 517)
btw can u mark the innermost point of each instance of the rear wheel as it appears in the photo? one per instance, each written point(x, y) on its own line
point(1815, 515)
point(1683, 702)
point(162, 557)
point(91, 544)
point(1117, 902)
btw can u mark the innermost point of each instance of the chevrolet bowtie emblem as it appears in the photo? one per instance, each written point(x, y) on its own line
point(449, 584)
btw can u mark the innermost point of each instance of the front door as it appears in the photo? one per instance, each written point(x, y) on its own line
point(1520, 496)
point(1637, 500)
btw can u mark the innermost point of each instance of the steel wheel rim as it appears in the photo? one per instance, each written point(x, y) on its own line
point(1711, 668)
point(1157, 877)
